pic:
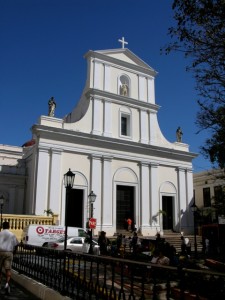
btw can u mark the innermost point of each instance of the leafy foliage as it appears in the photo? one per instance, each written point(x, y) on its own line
point(49, 212)
point(200, 34)
point(215, 146)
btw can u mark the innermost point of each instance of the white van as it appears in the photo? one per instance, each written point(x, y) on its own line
point(38, 235)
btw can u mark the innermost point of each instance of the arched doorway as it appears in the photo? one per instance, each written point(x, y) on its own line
point(124, 204)
point(126, 197)
point(75, 208)
point(168, 206)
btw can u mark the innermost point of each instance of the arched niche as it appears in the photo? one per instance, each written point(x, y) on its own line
point(168, 187)
point(124, 85)
point(125, 175)
point(80, 179)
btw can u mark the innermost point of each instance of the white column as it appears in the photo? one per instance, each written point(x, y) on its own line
point(143, 126)
point(151, 90)
point(42, 181)
point(96, 75)
point(107, 78)
point(107, 204)
point(55, 182)
point(107, 118)
point(144, 198)
point(152, 128)
point(154, 196)
point(96, 187)
point(189, 180)
point(141, 88)
point(96, 116)
point(182, 199)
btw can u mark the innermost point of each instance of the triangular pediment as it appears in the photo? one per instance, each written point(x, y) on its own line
point(124, 55)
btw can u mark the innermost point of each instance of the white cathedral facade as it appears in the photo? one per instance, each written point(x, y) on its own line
point(113, 144)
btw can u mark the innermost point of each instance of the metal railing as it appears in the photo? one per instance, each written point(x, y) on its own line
point(84, 276)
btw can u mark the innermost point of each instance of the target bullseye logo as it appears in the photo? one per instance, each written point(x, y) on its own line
point(40, 230)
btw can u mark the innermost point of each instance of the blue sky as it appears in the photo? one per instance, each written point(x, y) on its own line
point(41, 55)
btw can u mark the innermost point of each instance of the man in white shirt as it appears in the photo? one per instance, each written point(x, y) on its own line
point(8, 244)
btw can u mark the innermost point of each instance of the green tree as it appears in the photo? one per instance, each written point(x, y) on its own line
point(218, 201)
point(199, 32)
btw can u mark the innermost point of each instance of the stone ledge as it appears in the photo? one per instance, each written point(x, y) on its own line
point(36, 288)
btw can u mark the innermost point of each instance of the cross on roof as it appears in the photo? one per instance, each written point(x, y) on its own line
point(123, 42)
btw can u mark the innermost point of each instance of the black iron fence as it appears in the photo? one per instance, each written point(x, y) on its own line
point(84, 276)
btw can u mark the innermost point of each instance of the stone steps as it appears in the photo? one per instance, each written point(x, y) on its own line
point(172, 238)
point(175, 240)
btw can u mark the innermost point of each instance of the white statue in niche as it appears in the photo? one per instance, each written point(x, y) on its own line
point(124, 89)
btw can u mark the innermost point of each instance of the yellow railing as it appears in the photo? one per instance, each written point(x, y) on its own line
point(19, 222)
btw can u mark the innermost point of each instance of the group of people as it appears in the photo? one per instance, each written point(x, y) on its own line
point(8, 245)
point(166, 254)
point(163, 253)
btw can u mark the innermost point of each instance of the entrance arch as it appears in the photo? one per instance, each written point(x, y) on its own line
point(77, 202)
point(125, 199)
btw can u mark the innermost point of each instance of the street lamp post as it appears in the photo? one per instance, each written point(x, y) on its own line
point(68, 182)
point(91, 198)
point(2, 199)
point(194, 210)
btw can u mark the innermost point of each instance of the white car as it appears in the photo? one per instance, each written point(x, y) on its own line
point(75, 244)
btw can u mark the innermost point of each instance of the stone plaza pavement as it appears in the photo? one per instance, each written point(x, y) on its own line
point(25, 288)
point(17, 293)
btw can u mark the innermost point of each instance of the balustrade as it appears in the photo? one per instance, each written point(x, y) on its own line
point(19, 222)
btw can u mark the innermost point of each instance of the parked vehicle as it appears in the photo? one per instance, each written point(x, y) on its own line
point(75, 244)
point(39, 235)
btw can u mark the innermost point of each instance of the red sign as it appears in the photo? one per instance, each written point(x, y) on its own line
point(92, 223)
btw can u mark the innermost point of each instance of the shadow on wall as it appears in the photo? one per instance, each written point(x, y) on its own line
point(187, 220)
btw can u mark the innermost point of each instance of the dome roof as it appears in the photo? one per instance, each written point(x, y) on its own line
point(29, 143)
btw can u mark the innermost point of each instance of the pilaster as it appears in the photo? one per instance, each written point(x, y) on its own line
point(152, 128)
point(154, 196)
point(107, 119)
point(182, 198)
point(151, 90)
point(107, 204)
point(96, 116)
point(189, 180)
point(55, 181)
point(107, 78)
point(96, 186)
point(144, 197)
point(96, 76)
point(143, 126)
point(141, 88)
point(42, 181)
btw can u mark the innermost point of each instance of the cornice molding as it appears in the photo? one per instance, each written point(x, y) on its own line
point(108, 143)
point(122, 100)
